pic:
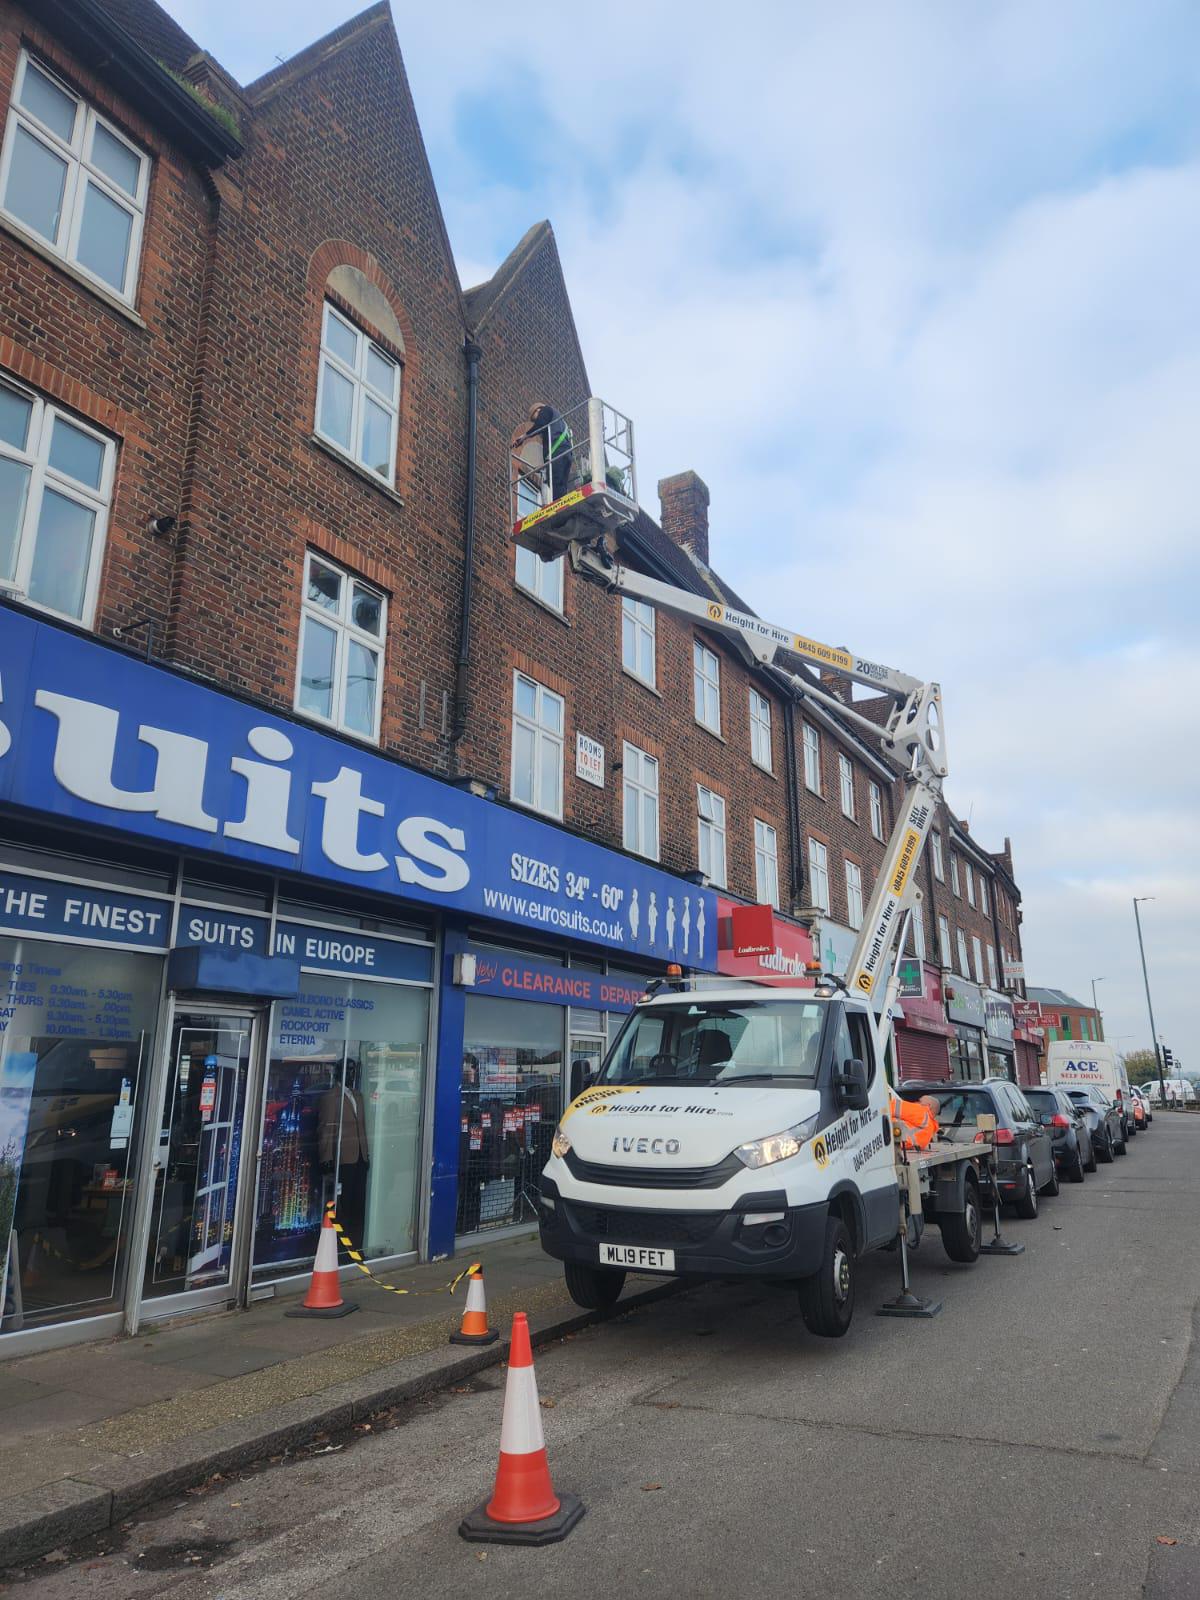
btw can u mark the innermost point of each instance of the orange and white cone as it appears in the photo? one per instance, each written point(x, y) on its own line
point(474, 1329)
point(524, 1508)
point(324, 1297)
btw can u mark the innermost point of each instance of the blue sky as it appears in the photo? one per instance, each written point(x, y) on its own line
point(914, 289)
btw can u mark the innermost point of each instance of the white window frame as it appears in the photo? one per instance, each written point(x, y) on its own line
point(360, 387)
point(766, 864)
point(710, 832)
point(964, 965)
point(854, 894)
point(983, 898)
point(875, 796)
point(812, 758)
point(977, 958)
point(939, 860)
point(970, 883)
point(760, 730)
point(77, 154)
point(544, 580)
point(944, 946)
point(706, 686)
point(544, 739)
point(36, 457)
point(639, 776)
point(954, 879)
point(639, 626)
point(340, 624)
point(818, 874)
point(846, 786)
point(991, 961)
point(918, 936)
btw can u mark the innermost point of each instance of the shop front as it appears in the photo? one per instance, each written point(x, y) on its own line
point(777, 952)
point(1029, 1040)
point(924, 1039)
point(965, 1012)
point(999, 1042)
point(230, 993)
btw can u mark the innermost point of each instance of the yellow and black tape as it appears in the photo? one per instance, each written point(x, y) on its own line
point(348, 1245)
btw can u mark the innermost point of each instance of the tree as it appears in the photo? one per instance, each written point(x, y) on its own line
point(1141, 1065)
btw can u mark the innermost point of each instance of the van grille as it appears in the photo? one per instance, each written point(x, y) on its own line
point(645, 1227)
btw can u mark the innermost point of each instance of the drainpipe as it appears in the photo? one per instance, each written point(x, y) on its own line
point(462, 669)
point(793, 811)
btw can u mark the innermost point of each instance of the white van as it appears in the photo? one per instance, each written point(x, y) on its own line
point(1090, 1064)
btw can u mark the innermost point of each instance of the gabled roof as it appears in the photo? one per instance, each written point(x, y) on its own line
point(159, 33)
point(314, 54)
point(1054, 997)
point(482, 300)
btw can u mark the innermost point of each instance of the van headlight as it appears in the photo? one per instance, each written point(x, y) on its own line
point(777, 1146)
point(560, 1144)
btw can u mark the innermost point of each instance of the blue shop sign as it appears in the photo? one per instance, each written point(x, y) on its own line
point(231, 931)
point(72, 911)
point(354, 954)
point(100, 737)
point(519, 979)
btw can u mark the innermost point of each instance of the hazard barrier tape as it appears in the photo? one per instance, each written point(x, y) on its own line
point(348, 1245)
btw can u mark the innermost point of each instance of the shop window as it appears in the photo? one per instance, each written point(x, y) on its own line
point(854, 894)
point(706, 683)
point(944, 943)
point(710, 809)
point(638, 639)
point(846, 786)
point(939, 860)
point(343, 625)
point(511, 1100)
point(766, 864)
point(56, 478)
point(818, 874)
point(75, 1065)
point(358, 395)
point(812, 759)
point(639, 785)
point(342, 1120)
point(72, 180)
point(537, 746)
point(542, 579)
point(876, 799)
point(760, 730)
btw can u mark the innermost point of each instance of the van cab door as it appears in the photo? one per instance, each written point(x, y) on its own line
point(865, 1156)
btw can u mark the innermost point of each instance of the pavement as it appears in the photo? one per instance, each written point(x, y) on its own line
point(1042, 1434)
point(100, 1430)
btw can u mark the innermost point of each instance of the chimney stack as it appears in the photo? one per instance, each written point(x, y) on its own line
point(684, 512)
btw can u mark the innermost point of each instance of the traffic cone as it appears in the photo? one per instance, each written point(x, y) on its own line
point(324, 1297)
point(475, 1328)
point(524, 1508)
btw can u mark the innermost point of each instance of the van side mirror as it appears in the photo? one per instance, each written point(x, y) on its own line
point(582, 1077)
point(850, 1086)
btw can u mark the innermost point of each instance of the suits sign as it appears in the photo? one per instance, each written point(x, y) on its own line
point(95, 736)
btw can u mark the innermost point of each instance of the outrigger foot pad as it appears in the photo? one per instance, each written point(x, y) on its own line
point(909, 1305)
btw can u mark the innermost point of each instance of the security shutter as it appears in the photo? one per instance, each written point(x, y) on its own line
point(922, 1055)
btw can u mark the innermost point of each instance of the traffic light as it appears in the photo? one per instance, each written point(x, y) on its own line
point(1168, 1059)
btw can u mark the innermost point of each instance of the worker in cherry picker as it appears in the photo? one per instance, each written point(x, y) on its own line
point(547, 428)
point(916, 1120)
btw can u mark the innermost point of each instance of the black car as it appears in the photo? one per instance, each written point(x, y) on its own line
point(1104, 1122)
point(1069, 1135)
point(1024, 1159)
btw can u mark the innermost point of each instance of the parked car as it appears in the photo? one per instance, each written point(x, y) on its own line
point(1104, 1122)
point(1024, 1160)
point(1145, 1099)
point(1069, 1135)
point(1138, 1107)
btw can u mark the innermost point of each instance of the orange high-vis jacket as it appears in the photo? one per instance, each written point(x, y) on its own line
point(919, 1123)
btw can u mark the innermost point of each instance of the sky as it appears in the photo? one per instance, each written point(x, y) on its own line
point(914, 289)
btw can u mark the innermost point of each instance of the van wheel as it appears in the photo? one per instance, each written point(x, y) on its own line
point(593, 1288)
point(962, 1231)
point(1027, 1203)
point(1106, 1150)
point(827, 1298)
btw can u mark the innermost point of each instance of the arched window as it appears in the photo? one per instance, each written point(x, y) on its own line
point(358, 395)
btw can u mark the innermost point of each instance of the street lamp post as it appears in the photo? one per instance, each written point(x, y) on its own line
point(1095, 1007)
point(1162, 1086)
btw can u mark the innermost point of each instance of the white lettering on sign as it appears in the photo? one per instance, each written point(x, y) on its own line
point(589, 760)
point(537, 874)
point(433, 853)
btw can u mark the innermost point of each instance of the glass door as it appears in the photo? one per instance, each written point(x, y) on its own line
point(198, 1179)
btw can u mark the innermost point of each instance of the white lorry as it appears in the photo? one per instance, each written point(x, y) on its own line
point(748, 1130)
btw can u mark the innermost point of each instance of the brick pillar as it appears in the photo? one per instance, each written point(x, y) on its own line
point(684, 513)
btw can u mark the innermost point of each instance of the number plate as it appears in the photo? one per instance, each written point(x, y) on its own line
point(638, 1257)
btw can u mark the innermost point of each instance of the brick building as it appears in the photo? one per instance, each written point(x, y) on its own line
point(309, 883)
point(1062, 1017)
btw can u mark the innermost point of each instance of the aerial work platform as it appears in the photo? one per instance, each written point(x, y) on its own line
point(596, 487)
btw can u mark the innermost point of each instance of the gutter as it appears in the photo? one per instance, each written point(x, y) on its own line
point(462, 668)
